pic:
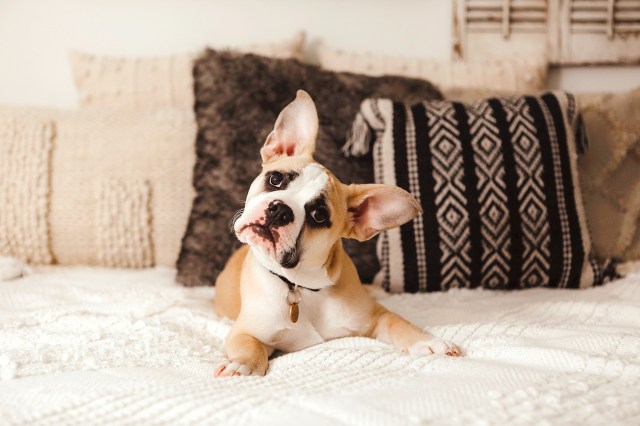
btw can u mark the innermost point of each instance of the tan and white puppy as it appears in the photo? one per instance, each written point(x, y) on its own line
point(292, 285)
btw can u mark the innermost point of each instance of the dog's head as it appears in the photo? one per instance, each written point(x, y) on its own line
point(296, 210)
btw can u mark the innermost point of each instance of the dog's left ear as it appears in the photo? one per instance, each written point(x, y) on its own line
point(374, 207)
point(295, 131)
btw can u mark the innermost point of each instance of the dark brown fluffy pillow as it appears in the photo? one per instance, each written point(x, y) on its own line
point(238, 98)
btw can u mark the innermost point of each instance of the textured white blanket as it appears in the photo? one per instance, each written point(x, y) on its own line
point(86, 346)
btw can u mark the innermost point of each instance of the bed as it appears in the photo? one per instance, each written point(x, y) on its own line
point(87, 345)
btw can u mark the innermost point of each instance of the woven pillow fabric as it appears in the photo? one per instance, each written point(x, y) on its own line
point(153, 82)
point(498, 184)
point(121, 186)
point(522, 75)
point(238, 98)
point(609, 170)
point(26, 145)
point(95, 186)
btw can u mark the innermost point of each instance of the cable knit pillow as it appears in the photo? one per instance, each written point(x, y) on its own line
point(26, 144)
point(238, 98)
point(97, 187)
point(152, 82)
point(121, 186)
point(523, 75)
point(498, 184)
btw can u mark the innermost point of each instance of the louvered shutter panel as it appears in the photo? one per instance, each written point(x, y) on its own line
point(510, 27)
point(600, 31)
point(568, 31)
point(507, 17)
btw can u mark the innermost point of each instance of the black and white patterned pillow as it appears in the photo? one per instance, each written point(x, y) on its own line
point(498, 184)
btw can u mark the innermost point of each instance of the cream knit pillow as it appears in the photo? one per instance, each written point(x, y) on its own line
point(152, 82)
point(25, 156)
point(523, 75)
point(98, 187)
point(121, 186)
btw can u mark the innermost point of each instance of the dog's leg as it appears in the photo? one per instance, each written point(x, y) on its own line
point(392, 328)
point(246, 356)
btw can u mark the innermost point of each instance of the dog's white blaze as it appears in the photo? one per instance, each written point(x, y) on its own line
point(306, 187)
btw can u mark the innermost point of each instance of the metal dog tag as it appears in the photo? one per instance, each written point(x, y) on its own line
point(293, 298)
point(294, 312)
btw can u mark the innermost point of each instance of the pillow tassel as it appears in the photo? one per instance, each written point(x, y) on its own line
point(358, 138)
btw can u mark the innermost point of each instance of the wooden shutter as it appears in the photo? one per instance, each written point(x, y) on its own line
point(600, 31)
point(567, 31)
point(506, 17)
point(510, 27)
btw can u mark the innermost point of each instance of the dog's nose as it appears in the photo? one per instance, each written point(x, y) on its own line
point(278, 214)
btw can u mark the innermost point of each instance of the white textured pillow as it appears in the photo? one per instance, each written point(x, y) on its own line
point(152, 82)
point(97, 186)
point(121, 186)
point(25, 154)
point(524, 75)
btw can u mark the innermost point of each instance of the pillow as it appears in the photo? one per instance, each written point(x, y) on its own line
point(498, 184)
point(107, 188)
point(611, 173)
point(509, 75)
point(152, 82)
point(469, 96)
point(25, 154)
point(609, 169)
point(238, 98)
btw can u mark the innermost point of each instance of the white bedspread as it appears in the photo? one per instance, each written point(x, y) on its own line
point(86, 346)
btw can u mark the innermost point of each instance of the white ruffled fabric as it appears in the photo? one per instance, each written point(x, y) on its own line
point(11, 268)
point(111, 346)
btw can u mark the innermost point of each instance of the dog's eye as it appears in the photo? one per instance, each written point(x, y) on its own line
point(276, 179)
point(320, 215)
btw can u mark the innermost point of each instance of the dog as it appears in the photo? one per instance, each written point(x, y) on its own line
point(292, 285)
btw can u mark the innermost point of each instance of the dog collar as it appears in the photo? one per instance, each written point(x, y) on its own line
point(291, 285)
point(293, 297)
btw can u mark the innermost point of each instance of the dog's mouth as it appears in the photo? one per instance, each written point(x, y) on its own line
point(264, 232)
point(269, 237)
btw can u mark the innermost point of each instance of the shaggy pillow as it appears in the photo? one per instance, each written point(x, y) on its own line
point(152, 82)
point(238, 98)
point(498, 184)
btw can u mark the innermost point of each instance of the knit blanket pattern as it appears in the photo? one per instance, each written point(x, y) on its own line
point(88, 345)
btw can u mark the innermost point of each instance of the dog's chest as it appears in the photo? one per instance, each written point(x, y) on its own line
point(321, 318)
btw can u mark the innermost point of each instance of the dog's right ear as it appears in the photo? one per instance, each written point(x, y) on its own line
point(375, 207)
point(295, 131)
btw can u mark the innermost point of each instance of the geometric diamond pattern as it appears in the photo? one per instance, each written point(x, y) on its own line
point(531, 193)
point(492, 195)
point(448, 173)
point(520, 156)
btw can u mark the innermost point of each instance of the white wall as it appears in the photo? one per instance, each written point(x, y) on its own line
point(37, 35)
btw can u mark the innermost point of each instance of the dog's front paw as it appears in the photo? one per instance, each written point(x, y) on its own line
point(434, 346)
point(231, 368)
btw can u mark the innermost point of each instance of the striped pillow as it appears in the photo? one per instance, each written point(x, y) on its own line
point(498, 184)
